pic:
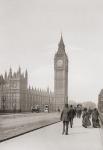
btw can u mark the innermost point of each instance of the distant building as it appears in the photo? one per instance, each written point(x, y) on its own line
point(15, 96)
point(100, 101)
point(61, 76)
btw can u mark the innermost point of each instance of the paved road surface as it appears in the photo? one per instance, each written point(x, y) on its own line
point(50, 138)
point(14, 124)
point(21, 119)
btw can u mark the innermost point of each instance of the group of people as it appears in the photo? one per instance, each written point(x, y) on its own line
point(90, 114)
point(68, 114)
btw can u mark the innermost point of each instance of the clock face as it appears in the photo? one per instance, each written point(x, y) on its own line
point(59, 63)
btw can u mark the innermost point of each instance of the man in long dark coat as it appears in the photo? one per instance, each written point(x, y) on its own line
point(71, 115)
point(65, 119)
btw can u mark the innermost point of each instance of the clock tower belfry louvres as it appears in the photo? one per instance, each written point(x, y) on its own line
point(61, 76)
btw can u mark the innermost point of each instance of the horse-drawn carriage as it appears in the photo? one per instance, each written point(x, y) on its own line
point(35, 108)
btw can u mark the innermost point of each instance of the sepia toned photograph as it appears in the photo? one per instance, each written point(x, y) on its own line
point(51, 75)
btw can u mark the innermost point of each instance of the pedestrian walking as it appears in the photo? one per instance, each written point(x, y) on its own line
point(95, 118)
point(90, 111)
point(58, 109)
point(65, 119)
point(75, 111)
point(72, 114)
point(86, 118)
point(79, 111)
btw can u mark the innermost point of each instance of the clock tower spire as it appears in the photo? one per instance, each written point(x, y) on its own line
point(61, 76)
point(61, 46)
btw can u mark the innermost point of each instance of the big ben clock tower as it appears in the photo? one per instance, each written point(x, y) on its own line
point(61, 76)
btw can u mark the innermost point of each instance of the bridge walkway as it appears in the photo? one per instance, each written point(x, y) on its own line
point(51, 138)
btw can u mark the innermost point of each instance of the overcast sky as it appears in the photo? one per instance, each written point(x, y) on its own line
point(29, 35)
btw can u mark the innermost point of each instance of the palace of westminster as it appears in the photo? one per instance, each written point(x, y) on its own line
point(16, 96)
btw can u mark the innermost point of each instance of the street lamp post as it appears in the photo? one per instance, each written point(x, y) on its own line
point(14, 107)
point(3, 99)
point(49, 105)
point(3, 102)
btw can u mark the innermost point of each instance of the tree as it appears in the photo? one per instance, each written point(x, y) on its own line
point(89, 105)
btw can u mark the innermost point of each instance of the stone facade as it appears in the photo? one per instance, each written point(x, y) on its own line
point(100, 101)
point(15, 96)
point(61, 76)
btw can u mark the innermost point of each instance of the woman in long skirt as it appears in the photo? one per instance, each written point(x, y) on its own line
point(86, 118)
point(95, 118)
